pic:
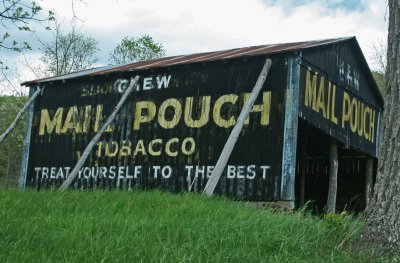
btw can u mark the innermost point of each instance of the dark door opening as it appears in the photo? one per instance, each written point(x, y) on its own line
point(351, 188)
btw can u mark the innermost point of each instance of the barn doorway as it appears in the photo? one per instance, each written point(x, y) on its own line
point(313, 162)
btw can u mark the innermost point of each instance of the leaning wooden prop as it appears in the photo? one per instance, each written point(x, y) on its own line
point(20, 113)
point(96, 138)
point(230, 143)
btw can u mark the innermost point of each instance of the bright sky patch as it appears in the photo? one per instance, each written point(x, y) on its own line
point(347, 5)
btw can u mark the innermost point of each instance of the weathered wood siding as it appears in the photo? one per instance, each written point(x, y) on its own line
point(338, 97)
point(170, 132)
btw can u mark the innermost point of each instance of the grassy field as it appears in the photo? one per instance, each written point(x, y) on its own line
point(111, 226)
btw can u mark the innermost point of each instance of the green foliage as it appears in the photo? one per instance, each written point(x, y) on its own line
point(335, 221)
point(11, 147)
point(113, 226)
point(132, 49)
point(20, 15)
point(68, 52)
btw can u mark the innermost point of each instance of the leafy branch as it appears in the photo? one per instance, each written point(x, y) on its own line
point(133, 49)
point(20, 14)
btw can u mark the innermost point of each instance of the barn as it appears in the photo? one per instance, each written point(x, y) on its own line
point(318, 111)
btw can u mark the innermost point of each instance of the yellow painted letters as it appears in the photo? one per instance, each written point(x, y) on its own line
point(49, 124)
point(140, 117)
point(218, 119)
point(204, 112)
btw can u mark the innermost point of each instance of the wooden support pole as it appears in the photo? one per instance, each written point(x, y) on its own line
point(290, 131)
point(93, 142)
point(19, 115)
point(27, 141)
point(333, 169)
point(230, 143)
point(369, 171)
point(303, 164)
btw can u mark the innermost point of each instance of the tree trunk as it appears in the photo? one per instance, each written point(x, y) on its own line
point(383, 217)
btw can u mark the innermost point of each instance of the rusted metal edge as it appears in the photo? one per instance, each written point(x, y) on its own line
point(195, 58)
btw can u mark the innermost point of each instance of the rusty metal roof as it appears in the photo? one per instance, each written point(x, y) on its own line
point(194, 58)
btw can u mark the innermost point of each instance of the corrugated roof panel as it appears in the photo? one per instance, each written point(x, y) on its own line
point(193, 58)
point(76, 74)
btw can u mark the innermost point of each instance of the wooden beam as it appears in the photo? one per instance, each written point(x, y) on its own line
point(230, 143)
point(303, 165)
point(369, 173)
point(26, 142)
point(290, 131)
point(333, 169)
point(93, 142)
point(19, 115)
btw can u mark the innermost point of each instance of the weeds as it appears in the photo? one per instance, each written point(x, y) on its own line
point(111, 226)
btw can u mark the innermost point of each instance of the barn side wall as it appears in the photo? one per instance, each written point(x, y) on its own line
point(170, 132)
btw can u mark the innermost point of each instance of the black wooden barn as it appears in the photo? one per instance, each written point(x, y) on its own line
point(172, 129)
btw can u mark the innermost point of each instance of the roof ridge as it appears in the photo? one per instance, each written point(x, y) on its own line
point(248, 51)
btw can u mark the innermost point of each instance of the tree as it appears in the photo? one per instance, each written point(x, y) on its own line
point(68, 52)
point(19, 14)
point(132, 49)
point(383, 217)
point(378, 56)
point(378, 59)
point(9, 81)
point(380, 81)
point(11, 148)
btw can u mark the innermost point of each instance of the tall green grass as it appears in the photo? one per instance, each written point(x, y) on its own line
point(112, 226)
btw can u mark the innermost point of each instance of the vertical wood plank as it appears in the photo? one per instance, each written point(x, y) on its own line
point(303, 164)
point(290, 131)
point(333, 169)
